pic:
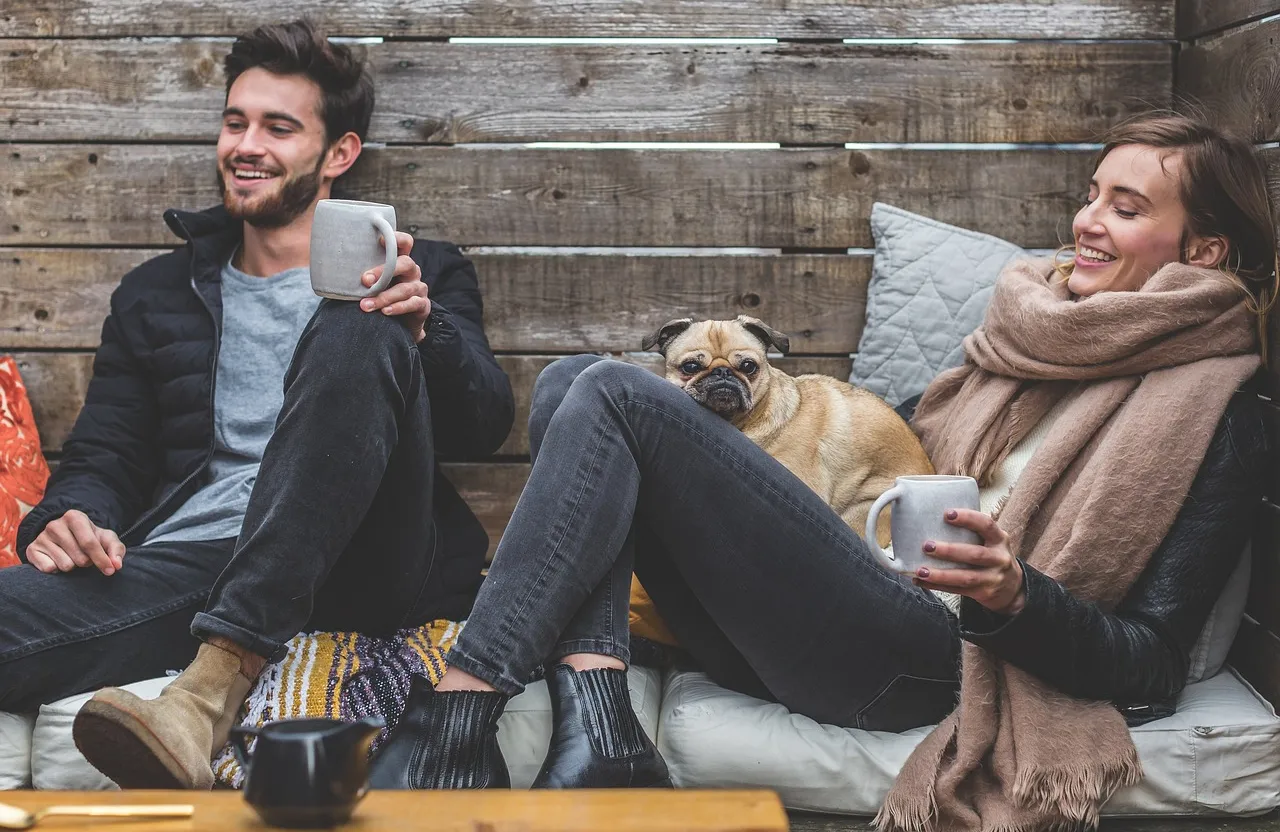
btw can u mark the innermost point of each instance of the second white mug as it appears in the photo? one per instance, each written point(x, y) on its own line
point(919, 505)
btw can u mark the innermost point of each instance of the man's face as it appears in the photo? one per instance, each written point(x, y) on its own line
point(272, 148)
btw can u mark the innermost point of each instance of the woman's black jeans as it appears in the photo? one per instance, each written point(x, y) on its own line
point(762, 583)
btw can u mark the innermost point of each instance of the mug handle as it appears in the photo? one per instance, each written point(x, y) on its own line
point(389, 243)
point(239, 743)
point(873, 520)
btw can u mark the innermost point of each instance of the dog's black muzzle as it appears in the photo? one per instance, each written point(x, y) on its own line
point(723, 393)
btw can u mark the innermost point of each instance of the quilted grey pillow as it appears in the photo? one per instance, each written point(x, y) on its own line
point(930, 284)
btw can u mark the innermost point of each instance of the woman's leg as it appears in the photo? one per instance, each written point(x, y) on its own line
point(790, 586)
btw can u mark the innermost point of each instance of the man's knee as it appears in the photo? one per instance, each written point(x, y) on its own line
point(342, 334)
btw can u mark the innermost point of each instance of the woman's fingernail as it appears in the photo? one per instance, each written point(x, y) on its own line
point(952, 514)
point(368, 278)
point(930, 546)
point(109, 571)
point(366, 305)
point(923, 572)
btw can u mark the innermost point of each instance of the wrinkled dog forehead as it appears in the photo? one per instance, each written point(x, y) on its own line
point(719, 339)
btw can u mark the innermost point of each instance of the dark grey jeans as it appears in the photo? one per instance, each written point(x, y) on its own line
point(339, 535)
point(761, 581)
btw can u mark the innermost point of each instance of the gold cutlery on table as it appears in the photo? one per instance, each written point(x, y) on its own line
point(12, 817)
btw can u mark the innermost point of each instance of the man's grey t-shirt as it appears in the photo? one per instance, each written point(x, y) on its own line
point(262, 318)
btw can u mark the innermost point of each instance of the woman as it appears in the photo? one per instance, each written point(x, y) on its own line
point(1102, 409)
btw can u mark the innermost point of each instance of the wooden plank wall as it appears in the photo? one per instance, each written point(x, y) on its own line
point(109, 110)
point(1229, 69)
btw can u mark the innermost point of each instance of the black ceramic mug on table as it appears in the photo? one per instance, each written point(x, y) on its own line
point(306, 772)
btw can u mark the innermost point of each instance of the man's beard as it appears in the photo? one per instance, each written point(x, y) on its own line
point(280, 208)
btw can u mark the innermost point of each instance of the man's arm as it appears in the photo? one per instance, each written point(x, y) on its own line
point(110, 464)
point(472, 407)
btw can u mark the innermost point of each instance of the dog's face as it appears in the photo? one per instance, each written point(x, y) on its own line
point(722, 364)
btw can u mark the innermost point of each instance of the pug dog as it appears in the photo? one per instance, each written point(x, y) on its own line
point(841, 441)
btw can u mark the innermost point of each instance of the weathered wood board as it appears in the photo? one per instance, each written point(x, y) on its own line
point(1105, 19)
point(114, 194)
point(57, 297)
point(173, 90)
point(56, 382)
point(1197, 17)
point(1235, 78)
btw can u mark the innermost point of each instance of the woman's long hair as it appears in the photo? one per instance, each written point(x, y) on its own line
point(1224, 190)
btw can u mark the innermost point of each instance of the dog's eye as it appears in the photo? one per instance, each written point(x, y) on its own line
point(749, 367)
point(690, 367)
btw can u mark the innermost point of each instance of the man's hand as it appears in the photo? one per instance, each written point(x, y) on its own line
point(73, 541)
point(995, 581)
point(406, 296)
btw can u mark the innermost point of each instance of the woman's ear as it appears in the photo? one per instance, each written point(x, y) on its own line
point(341, 155)
point(1209, 252)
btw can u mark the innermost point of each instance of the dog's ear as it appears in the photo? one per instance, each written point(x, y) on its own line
point(768, 336)
point(666, 333)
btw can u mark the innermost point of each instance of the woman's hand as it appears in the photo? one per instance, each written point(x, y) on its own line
point(995, 583)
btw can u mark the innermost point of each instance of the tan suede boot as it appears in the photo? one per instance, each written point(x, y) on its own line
point(166, 742)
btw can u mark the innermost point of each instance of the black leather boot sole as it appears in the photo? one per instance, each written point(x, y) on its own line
point(596, 740)
point(443, 741)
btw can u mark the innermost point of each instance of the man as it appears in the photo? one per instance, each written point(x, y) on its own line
point(214, 470)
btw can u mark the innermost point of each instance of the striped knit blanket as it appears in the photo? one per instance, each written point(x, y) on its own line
point(344, 676)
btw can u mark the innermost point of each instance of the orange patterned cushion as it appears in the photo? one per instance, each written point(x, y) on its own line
point(23, 471)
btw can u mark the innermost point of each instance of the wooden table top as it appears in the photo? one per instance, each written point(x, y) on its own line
point(629, 810)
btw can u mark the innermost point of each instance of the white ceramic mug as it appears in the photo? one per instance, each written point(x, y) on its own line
point(919, 506)
point(345, 244)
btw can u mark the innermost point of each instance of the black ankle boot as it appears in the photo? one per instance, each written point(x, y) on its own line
point(596, 739)
point(445, 740)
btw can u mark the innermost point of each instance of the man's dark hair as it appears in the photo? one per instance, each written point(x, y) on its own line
point(298, 49)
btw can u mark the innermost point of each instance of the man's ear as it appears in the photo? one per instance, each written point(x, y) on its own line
point(1209, 252)
point(666, 333)
point(341, 155)
point(768, 336)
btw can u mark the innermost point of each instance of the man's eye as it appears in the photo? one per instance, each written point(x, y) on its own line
point(233, 125)
point(1126, 214)
point(690, 367)
point(281, 131)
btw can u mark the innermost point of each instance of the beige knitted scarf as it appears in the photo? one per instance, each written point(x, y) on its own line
point(1148, 375)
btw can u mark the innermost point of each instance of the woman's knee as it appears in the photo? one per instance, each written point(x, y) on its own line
point(552, 385)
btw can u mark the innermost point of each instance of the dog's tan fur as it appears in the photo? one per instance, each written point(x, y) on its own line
point(841, 441)
point(844, 443)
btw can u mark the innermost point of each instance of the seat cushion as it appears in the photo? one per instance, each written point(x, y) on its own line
point(15, 750)
point(1216, 755)
point(524, 734)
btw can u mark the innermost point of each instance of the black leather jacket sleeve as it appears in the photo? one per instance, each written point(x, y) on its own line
point(472, 406)
point(1140, 651)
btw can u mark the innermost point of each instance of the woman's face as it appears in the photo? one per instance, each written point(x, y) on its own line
point(1133, 222)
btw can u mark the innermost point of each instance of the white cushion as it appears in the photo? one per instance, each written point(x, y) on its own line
point(1217, 755)
point(1209, 653)
point(15, 750)
point(930, 283)
point(524, 732)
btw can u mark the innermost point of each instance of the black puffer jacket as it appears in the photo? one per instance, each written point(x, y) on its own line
point(1137, 654)
point(142, 444)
